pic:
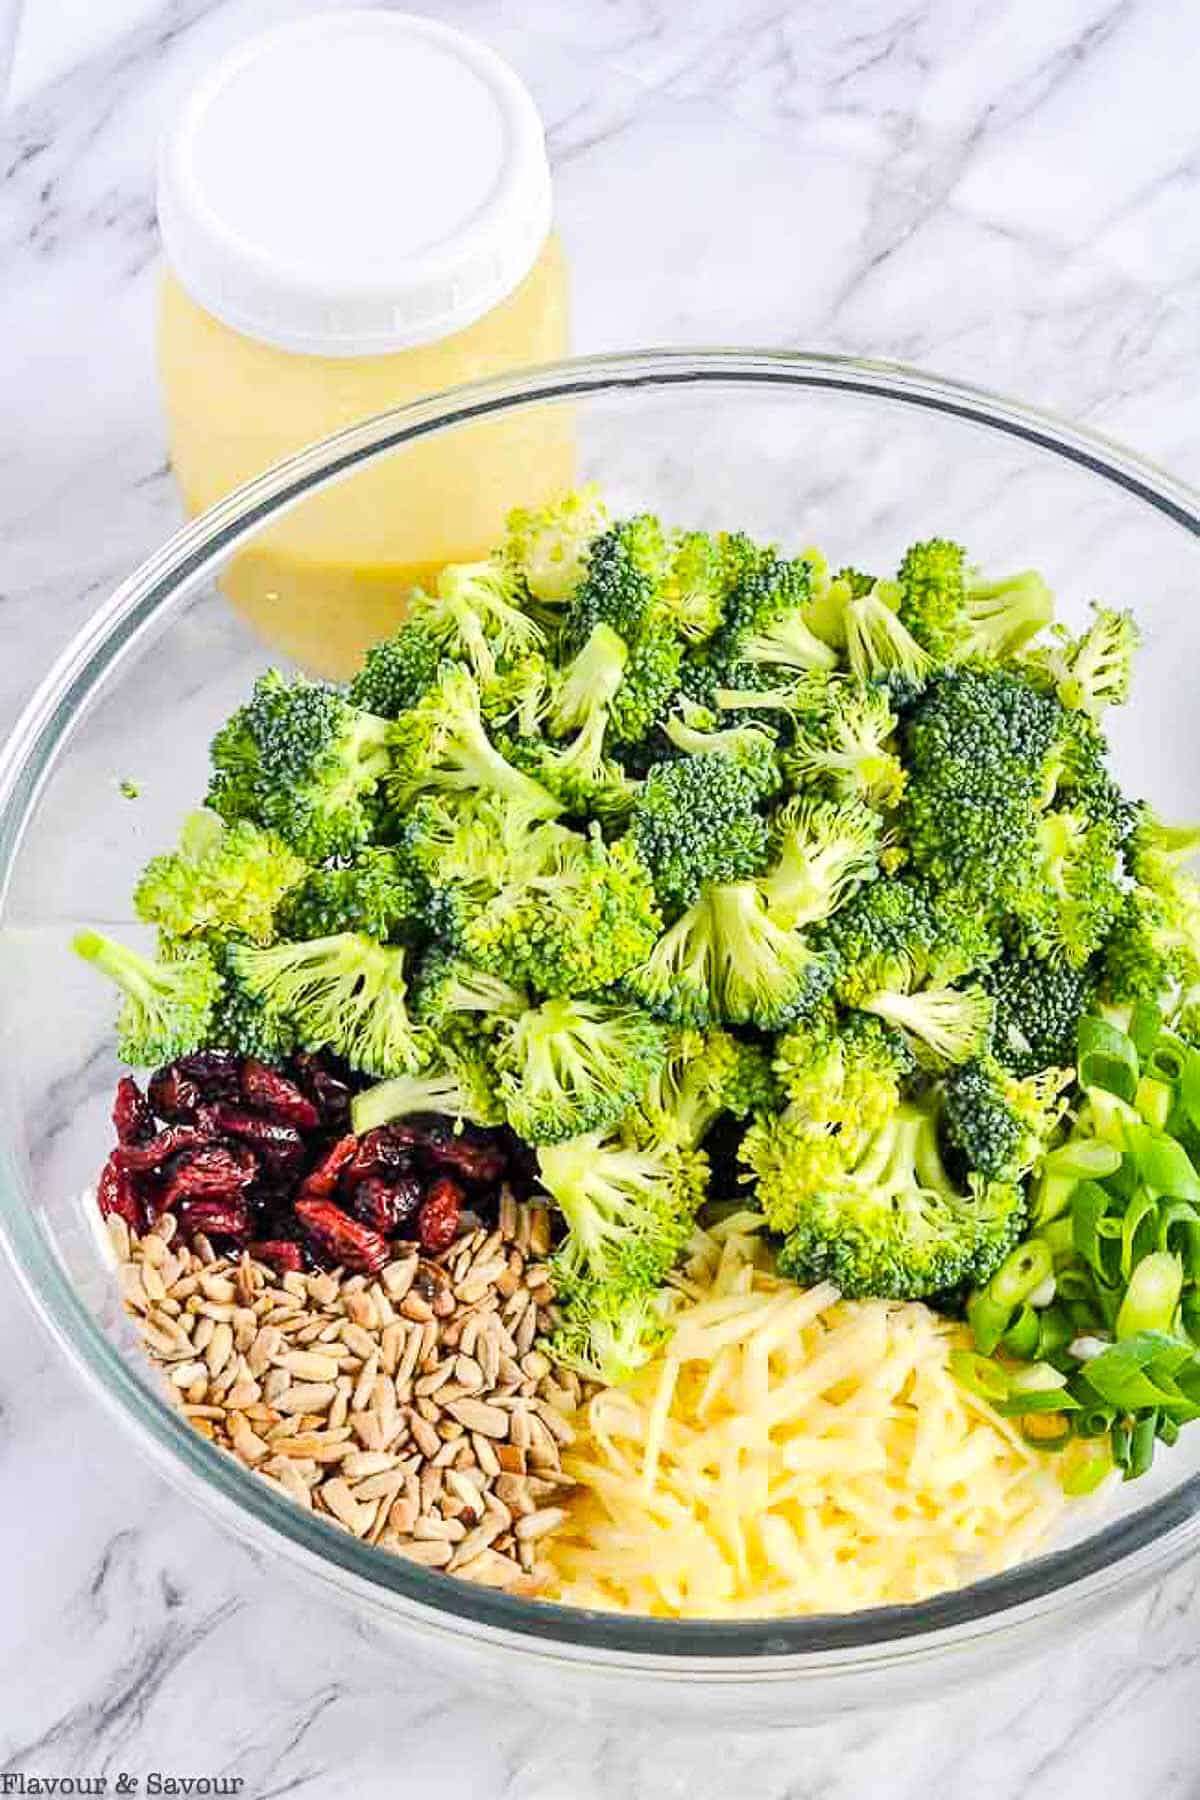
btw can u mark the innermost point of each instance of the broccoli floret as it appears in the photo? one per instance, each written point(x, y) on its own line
point(433, 1091)
point(694, 587)
point(584, 690)
point(376, 893)
point(573, 1066)
point(1093, 671)
point(629, 1211)
point(229, 879)
point(842, 1075)
point(899, 934)
point(570, 916)
point(240, 1021)
point(579, 773)
point(878, 644)
point(1039, 1002)
point(822, 851)
point(890, 1222)
point(625, 566)
point(944, 1025)
point(447, 987)
point(399, 670)
point(479, 611)
point(705, 1074)
point(1155, 852)
point(726, 961)
point(515, 698)
point(698, 731)
point(764, 633)
point(1001, 1125)
point(606, 1331)
point(841, 739)
point(299, 759)
point(696, 821)
point(1154, 944)
point(1007, 796)
point(345, 993)
point(169, 1004)
point(649, 688)
point(548, 546)
point(441, 743)
point(955, 616)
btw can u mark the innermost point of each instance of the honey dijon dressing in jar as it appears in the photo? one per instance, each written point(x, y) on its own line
point(355, 212)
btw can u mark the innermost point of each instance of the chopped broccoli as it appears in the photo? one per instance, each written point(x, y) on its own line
point(447, 987)
point(1154, 944)
point(624, 568)
point(169, 1004)
point(822, 851)
point(1007, 797)
point(843, 1075)
point(573, 1066)
point(570, 915)
point(944, 1025)
point(548, 546)
point(694, 587)
point(579, 774)
point(515, 698)
point(400, 669)
point(764, 634)
point(1039, 1002)
point(607, 1330)
point(724, 960)
point(878, 644)
point(441, 743)
point(344, 993)
point(1093, 671)
point(229, 879)
point(478, 610)
point(999, 1124)
point(584, 690)
point(299, 759)
point(629, 1210)
point(433, 1091)
point(1156, 853)
point(890, 1222)
point(696, 821)
point(841, 740)
point(705, 1074)
point(901, 934)
point(376, 893)
point(957, 617)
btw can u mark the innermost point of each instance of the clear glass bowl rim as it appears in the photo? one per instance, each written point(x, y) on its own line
point(1118, 1559)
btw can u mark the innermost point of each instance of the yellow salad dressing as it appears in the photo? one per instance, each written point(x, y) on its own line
point(311, 284)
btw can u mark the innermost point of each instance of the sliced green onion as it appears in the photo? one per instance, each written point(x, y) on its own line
point(979, 1375)
point(1107, 1058)
point(1155, 1100)
point(990, 1312)
point(1141, 1446)
point(1080, 1159)
point(1189, 1087)
point(1087, 1464)
point(1125, 1374)
point(1162, 1163)
point(1145, 1027)
point(1152, 1297)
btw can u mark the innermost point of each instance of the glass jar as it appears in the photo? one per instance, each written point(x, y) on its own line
point(355, 210)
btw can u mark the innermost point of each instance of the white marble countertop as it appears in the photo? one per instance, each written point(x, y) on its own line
point(1003, 190)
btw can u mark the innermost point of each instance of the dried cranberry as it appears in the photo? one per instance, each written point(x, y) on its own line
point(437, 1222)
point(214, 1173)
point(386, 1151)
point(174, 1095)
point(132, 1119)
point(343, 1240)
point(216, 1073)
point(153, 1154)
point(280, 1146)
point(116, 1192)
point(326, 1088)
point(387, 1206)
point(279, 1253)
point(321, 1181)
point(215, 1218)
point(272, 1093)
point(464, 1153)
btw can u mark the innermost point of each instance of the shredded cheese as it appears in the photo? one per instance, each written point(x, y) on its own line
point(789, 1452)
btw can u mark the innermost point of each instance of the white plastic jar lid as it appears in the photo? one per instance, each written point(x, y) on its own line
point(354, 183)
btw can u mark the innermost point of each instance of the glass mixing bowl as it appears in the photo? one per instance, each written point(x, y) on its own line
point(859, 457)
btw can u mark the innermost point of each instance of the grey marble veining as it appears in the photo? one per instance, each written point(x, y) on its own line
point(1003, 190)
